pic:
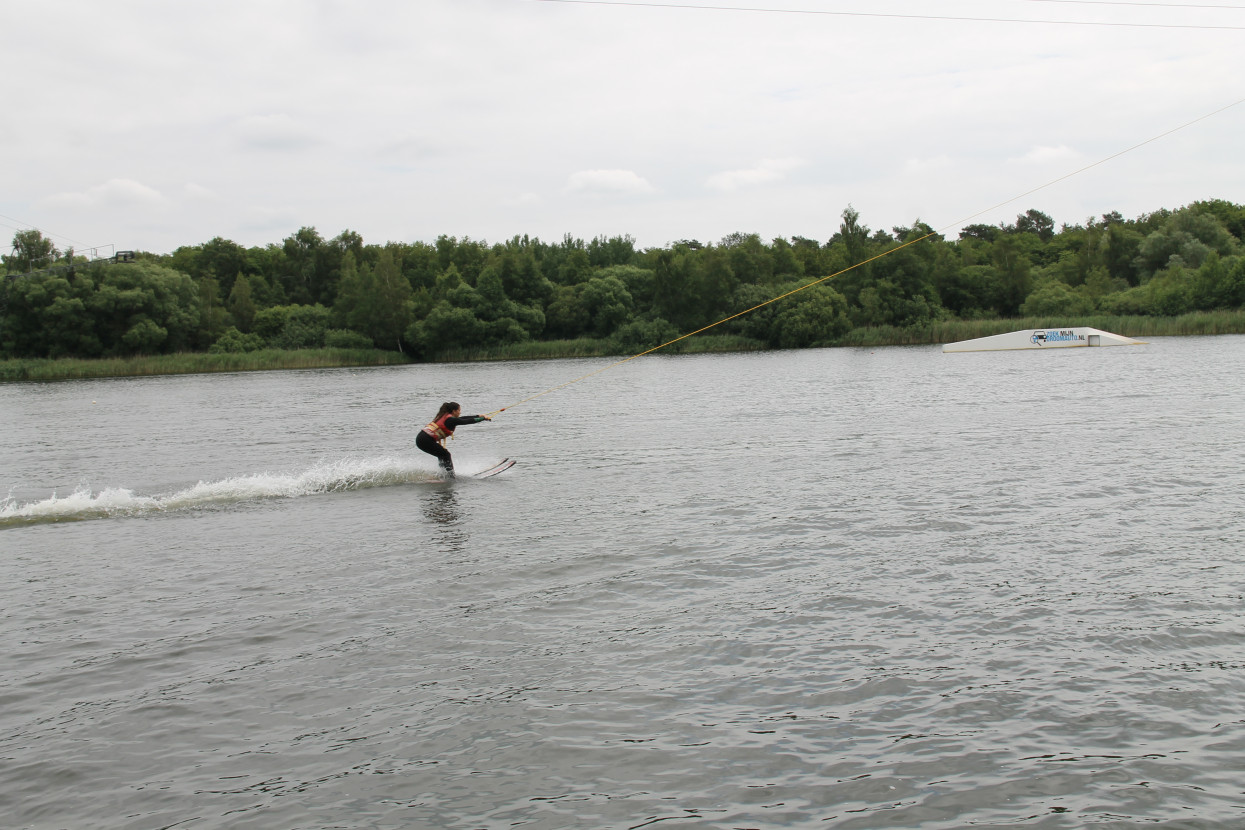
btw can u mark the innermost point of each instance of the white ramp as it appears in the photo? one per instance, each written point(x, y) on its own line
point(1042, 339)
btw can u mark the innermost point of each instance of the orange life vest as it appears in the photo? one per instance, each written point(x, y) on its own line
point(438, 429)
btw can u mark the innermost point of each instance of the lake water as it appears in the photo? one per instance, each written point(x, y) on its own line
point(841, 588)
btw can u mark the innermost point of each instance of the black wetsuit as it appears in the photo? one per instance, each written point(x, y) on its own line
point(432, 446)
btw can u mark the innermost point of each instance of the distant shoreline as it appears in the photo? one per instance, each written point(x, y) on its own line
point(49, 369)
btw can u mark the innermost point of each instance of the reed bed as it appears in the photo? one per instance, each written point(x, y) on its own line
point(193, 363)
point(948, 331)
point(591, 347)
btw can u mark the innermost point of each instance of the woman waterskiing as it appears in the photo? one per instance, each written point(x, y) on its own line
point(431, 439)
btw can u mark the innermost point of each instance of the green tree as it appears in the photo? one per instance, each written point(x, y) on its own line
point(642, 335)
point(1218, 283)
point(145, 308)
point(566, 317)
point(817, 317)
point(714, 283)
point(446, 327)
point(1187, 238)
point(986, 233)
point(468, 256)
point(233, 341)
point(1230, 215)
point(848, 251)
point(1053, 299)
point(419, 264)
point(674, 287)
point(240, 304)
point(292, 326)
point(749, 259)
point(809, 254)
point(47, 316)
point(520, 274)
point(786, 263)
point(390, 301)
point(1013, 277)
point(574, 268)
point(1120, 247)
point(854, 236)
point(615, 250)
point(212, 314)
point(304, 275)
point(31, 250)
point(225, 260)
point(608, 304)
point(466, 316)
point(1037, 223)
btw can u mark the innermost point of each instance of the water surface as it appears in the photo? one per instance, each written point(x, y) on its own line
point(841, 588)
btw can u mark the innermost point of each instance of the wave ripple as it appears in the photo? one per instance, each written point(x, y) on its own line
point(324, 477)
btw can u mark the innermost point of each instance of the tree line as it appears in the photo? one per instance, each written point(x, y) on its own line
point(428, 298)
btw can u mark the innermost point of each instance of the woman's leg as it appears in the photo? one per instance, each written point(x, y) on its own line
point(429, 445)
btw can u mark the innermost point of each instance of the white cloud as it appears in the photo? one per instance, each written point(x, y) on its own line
point(1048, 155)
point(198, 192)
point(405, 121)
point(767, 172)
point(113, 193)
point(269, 219)
point(275, 132)
point(523, 200)
point(921, 165)
point(624, 182)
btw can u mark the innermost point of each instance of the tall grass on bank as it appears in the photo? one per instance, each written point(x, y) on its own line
point(951, 331)
point(590, 347)
point(194, 363)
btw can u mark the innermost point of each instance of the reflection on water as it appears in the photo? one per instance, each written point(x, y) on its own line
point(441, 505)
point(442, 508)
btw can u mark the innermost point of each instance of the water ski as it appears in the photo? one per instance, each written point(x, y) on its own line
point(499, 467)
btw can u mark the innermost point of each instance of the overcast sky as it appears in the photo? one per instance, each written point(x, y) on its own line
point(151, 124)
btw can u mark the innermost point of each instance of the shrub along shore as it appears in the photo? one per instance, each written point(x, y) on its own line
point(1196, 323)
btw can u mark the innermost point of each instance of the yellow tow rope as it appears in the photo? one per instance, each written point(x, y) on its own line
point(887, 252)
point(711, 325)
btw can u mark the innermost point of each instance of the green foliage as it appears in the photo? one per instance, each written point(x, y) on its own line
point(1035, 222)
point(606, 252)
point(447, 327)
point(346, 339)
point(292, 326)
point(124, 309)
point(641, 335)
point(1186, 239)
point(212, 314)
point(1054, 299)
point(815, 317)
point(375, 301)
point(235, 342)
point(608, 304)
point(567, 317)
point(467, 297)
point(30, 251)
point(240, 304)
point(1219, 283)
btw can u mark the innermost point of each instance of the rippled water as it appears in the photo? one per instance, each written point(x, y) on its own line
point(833, 589)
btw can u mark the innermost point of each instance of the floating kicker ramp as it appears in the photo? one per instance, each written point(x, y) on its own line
point(1042, 339)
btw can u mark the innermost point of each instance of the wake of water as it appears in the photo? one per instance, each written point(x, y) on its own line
point(324, 477)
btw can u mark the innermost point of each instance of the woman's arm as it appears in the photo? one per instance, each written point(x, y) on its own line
point(462, 420)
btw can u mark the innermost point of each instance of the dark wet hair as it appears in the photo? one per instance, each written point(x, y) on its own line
point(446, 409)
